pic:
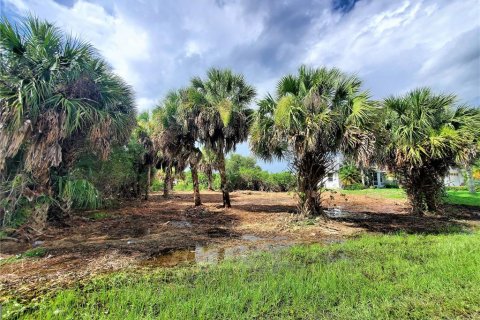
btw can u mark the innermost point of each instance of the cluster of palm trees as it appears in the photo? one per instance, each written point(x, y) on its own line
point(213, 112)
point(58, 98)
point(314, 115)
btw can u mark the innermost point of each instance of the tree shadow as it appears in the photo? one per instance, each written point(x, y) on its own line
point(266, 208)
point(410, 224)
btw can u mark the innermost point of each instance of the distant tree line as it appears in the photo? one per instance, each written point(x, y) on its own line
point(243, 173)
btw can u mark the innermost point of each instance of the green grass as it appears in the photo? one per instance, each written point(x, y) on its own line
point(31, 253)
point(34, 253)
point(99, 216)
point(459, 197)
point(3, 234)
point(463, 197)
point(373, 277)
point(378, 193)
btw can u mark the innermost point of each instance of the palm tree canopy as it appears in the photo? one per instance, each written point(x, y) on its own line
point(209, 160)
point(57, 94)
point(318, 110)
point(221, 101)
point(174, 133)
point(424, 127)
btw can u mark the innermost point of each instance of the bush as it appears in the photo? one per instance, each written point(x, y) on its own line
point(463, 188)
point(157, 185)
point(391, 185)
point(121, 176)
point(349, 175)
point(355, 186)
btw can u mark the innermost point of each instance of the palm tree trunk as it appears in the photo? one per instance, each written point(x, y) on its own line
point(172, 179)
point(362, 174)
point(310, 199)
point(196, 185)
point(166, 181)
point(210, 179)
point(149, 171)
point(223, 180)
point(471, 183)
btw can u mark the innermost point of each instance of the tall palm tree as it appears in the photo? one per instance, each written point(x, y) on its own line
point(207, 165)
point(314, 115)
point(58, 97)
point(143, 133)
point(222, 115)
point(424, 135)
point(175, 137)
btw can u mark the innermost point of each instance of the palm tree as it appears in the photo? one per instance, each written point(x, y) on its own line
point(222, 115)
point(58, 97)
point(143, 132)
point(194, 158)
point(424, 135)
point(207, 165)
point(314, 115)
point(175, 137)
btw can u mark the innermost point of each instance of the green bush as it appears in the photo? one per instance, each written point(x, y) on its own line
point(79, 193)
point(355, 186)
point(463, 188)
point(157, 185)
point(122, 175)
point(391, 185)
point(349, 175)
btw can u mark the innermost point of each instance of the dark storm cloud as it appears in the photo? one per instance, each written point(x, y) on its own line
point(343, 6)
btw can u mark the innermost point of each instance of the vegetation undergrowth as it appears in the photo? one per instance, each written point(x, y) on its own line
point(31, 253)
point(372, 277)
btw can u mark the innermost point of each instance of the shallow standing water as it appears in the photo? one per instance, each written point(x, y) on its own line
point(204, 254)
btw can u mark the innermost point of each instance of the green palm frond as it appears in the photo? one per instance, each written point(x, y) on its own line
point(225, 109)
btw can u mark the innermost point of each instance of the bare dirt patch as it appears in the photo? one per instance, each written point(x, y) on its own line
point(171, 231)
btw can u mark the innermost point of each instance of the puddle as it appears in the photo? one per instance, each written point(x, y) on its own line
point(209, 254)
point(344, 214)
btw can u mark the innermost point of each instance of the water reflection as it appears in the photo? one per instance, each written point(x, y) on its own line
point(201, 254)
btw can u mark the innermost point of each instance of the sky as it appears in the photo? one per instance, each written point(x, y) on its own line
point(393, 46)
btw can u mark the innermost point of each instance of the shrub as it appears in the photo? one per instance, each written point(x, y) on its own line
point(355, 186)
point(349, 175)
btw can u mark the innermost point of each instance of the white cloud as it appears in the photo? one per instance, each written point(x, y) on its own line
point(401, 39)
point(144, 104)
point(120, 41)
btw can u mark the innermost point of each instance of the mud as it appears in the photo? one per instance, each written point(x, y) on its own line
point(167, 232)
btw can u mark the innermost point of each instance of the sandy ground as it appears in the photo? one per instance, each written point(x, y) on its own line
point(165, 232)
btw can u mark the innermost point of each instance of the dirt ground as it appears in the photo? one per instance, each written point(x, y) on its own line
point(165, 232)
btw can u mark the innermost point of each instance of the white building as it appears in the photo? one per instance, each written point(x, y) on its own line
point(453, 179)
point(333, 178)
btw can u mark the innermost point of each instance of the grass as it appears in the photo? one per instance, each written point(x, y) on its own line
point(31, 253)
point(34, 253)
point(3, 234)
point(99, 216)
point(463, 197)
point(378, 193)
point(373, 277)
point(454, 196)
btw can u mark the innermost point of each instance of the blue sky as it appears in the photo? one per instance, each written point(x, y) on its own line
point(393, 46)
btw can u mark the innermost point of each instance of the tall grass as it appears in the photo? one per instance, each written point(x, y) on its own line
point(374, 277)
point(79, 193)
